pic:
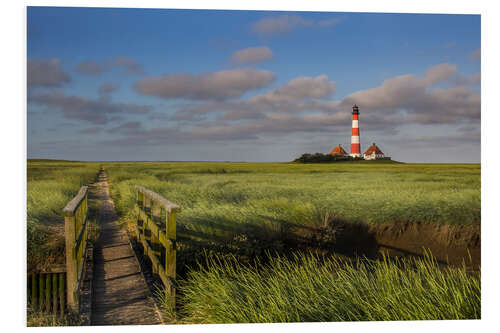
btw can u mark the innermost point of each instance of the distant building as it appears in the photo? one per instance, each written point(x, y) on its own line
point(355, 145)
point(339, 151)
point(374, 153)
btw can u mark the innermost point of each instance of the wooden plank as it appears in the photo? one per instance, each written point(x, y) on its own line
point(167, 282)
point(149, 252)
point(34, 291)
point(155, 230)
point(150, 214)
point(71, 264)
point(54, 293)
point(170, 252)
point(48, 284)
point(54, 269)
point(169, 286)
point(73, 205)
point(81, 234)
point(121, 295)
point(169, 206)
point(171, 226)
point(62, 279)
point(167, 243)
point(153, 227)
point(41, 289)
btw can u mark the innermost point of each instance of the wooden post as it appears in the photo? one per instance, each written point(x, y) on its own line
point(75, 214)
point(48, 290)
point(170, 254)
point(146, 232)
point(165, 266)
point(54, 293)
point(41, 290)
point(71, 269)
point(155, 239)
point(142, 214)
point(61, 293)
point(34, 291)
point(137, 201)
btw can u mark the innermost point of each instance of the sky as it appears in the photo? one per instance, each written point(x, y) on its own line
point(111, 84)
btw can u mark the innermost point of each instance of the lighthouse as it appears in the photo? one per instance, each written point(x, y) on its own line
point(355, 146)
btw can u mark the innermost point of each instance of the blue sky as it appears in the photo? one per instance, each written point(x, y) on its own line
point(158, 84)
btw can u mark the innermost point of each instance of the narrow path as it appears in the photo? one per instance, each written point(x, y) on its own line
point(120, 293)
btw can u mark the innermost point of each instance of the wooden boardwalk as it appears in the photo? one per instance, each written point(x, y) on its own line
point(120, 293)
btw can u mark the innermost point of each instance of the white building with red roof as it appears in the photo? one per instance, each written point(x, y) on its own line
point(374, 153)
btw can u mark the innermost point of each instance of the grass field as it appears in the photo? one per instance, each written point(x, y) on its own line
point(309, 288)
point(223, 203)
point(296, 193)
point(51, 184)
point(238, 215)
point(235, 212)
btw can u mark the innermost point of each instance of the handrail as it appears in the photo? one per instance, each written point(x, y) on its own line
point(157, 234)
point(76, 233)
point(73, 205)
point(52, 289)
point(170, 206)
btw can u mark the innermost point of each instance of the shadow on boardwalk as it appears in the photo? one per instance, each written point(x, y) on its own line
point(121, 295)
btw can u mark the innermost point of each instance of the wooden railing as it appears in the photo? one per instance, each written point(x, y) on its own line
point(76, 233)
point(46, 291)
point(52, 289)
point(155, 230)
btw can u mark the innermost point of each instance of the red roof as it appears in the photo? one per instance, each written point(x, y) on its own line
point(338, 150)
point(373, 149)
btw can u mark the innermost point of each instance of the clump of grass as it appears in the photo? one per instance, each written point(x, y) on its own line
point(36, 318)
point(309, 288)
point(167, 305)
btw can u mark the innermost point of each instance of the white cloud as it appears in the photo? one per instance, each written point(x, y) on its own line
point(440, 73)
point(129, 65)
point(98, 111)
point(91, 67)
point(298, 89)
point(46, 73)
point(220, 85)
point(415, 97)
point(272, 26)
point(279, 25)
point(475, 55)
point(252, 55)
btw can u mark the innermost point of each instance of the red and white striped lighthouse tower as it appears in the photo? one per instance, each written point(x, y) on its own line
point(355, 146)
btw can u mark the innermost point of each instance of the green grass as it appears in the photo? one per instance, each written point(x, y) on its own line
point(51, 184)
point(223, 203)
point(41, 319)
point(309, 288)
point(241, 192)
point(234, 213)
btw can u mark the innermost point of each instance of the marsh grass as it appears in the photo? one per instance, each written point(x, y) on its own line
point(41, 319)
point(233, 214)
point(50, 186)
point(311, 288)
point(250, 208)
point(446, 194)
